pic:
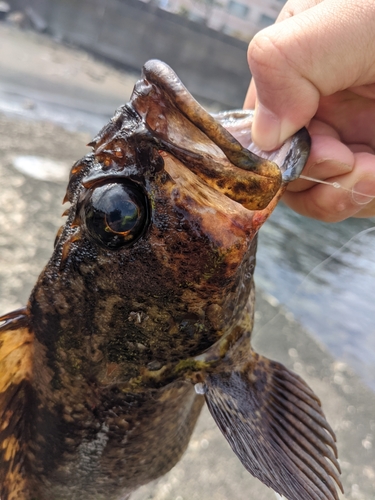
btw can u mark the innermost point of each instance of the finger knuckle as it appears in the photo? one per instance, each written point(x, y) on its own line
point(261, 52)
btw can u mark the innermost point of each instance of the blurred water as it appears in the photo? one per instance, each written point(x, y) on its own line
point(36, 107)
point(325, 275)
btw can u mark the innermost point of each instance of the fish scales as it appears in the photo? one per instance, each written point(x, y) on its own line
point(148, 293)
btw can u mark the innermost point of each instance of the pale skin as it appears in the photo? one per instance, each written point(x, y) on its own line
point(316, 67)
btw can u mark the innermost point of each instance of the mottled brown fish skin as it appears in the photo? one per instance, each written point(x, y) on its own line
point(98, 352)
point(150, 290)
point(111, 407)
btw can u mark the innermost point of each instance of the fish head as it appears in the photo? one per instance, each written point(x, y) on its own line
point(155, 261)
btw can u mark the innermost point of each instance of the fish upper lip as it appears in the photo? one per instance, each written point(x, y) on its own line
point(292, 155)
point(179, 122)
point(159, 73)
point(250, 179)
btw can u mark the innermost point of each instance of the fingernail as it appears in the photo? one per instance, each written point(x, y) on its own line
point(268, 132)
point(266, 128)
point(364, 191)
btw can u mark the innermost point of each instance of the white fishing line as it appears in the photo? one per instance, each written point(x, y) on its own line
point(316, 268)
point(334, 184)
point(337, 185)
point(336, 252)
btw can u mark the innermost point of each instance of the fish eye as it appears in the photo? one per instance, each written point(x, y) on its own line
point(115, 214)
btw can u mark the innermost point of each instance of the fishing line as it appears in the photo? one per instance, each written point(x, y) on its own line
point(316, 268)
point(321, 264)
point(334, 184)
point(337, 185)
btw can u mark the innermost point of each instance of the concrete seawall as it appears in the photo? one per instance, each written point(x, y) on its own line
point(129, 32)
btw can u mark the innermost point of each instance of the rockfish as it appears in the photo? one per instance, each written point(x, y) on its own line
point(145, 311)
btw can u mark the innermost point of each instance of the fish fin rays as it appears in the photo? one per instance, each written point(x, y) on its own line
point(274, 423)
point(16, 353)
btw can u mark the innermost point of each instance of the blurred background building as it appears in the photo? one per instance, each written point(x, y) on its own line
point(241, 19)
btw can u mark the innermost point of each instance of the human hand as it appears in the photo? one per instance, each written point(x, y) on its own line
point(316, 67)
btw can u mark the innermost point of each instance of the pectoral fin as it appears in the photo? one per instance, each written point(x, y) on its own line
point(274, 423)
point(16, 351)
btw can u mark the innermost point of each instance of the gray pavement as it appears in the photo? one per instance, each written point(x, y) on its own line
point(30, 212)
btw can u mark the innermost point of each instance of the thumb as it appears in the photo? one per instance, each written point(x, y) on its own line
point(315, 53)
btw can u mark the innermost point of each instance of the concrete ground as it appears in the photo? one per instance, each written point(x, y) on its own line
point(37, 66)
point(30, 212)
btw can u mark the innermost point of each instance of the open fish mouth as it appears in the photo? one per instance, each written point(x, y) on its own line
point(218, 149)
point(243, 173)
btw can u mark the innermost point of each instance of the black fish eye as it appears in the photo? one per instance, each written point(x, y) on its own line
point(115, 214)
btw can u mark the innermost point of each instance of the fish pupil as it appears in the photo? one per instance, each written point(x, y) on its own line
point(115, 214)
point(123, 218)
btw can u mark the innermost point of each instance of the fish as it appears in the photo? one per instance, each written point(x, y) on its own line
point(144, 313)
